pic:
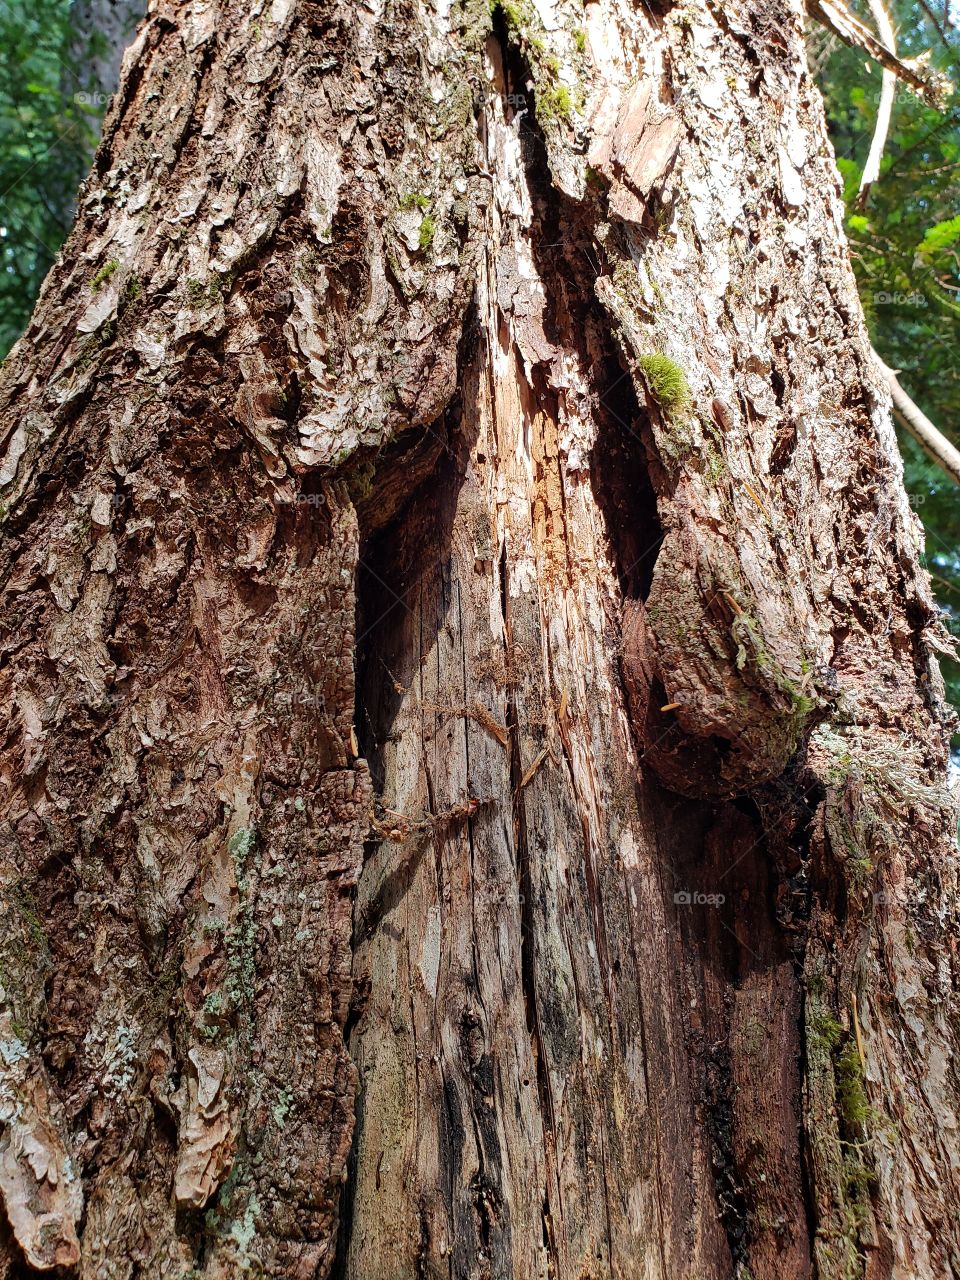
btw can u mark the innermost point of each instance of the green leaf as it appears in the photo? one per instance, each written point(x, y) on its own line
point(939, 237)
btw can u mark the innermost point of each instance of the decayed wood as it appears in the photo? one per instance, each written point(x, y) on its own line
point(473, 783)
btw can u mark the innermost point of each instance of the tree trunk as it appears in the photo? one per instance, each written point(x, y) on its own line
point(474, 758)
point(102, 30)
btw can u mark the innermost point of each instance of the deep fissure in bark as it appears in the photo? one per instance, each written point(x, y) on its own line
point(569, 258)
point(750, 933)
point(405, 497)
point(528, 958)
point(788, 810)
point(404, 541)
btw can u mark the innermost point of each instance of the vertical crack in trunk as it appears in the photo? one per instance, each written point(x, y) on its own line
point(528, 953)
point(425, 522)
point(752, 1025)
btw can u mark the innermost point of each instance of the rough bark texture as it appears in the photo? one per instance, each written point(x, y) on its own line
point(473, 768)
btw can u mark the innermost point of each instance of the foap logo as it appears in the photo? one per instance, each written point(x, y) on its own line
point(91, 99)
point(902, 93)
point(694, 898)
point(913, 299)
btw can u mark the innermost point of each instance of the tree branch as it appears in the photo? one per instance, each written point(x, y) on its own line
point(939, 29)
point(871, 170)
point(925, 82)
point(934, 443)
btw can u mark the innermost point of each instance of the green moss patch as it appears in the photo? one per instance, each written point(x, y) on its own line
point(428, 229)
point(668, 383)
point(104, 274)
point(554, 103)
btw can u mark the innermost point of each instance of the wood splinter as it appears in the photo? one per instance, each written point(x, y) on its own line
point(485, 720)
point(390, 824)
point(534, 768)
point(756, 497)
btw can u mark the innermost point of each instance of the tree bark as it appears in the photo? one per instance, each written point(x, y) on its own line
point(473, 767)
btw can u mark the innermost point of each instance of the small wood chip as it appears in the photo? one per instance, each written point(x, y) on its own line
point(756, 498)
point(856, 1027)
point(486, 721)
point(529, 775)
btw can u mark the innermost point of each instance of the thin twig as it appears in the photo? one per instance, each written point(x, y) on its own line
point(871, 170)
point(934, 443)
point(950, 586)
point(947, 44)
